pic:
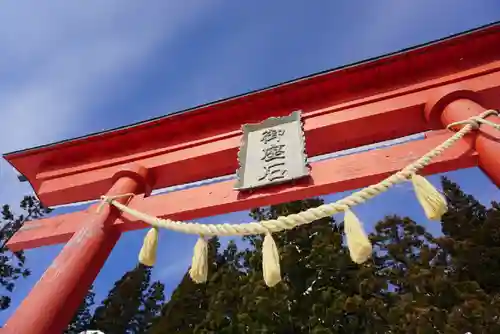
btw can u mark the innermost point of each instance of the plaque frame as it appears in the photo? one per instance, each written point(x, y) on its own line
point(270, 122)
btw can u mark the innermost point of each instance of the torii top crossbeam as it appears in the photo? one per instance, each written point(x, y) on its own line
point(422, 89)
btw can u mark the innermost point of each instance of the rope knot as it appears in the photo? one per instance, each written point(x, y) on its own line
point(476, 121)
point(106, 199)
point(109, 199)
point(358, 242)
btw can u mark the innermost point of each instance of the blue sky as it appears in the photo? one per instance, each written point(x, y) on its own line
point(71, 68)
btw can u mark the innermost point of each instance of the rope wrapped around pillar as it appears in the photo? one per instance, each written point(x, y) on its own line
point(433, 203)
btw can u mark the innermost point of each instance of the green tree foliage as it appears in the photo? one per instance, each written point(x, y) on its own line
point(317, 273)
point(82, 318)
point(414, 283)
point(471, 247)
point(13, 265)
point(189, 303)
point(405, 256)
point(152, 302)
point(131, 305)
point(472, 238)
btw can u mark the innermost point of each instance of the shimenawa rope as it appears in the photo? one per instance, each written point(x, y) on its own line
point(433, 203)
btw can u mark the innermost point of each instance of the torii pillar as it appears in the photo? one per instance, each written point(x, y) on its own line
point(416, 91)
point(51, 304)
point(456, 103)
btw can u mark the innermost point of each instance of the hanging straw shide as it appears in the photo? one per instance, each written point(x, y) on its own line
point(270, 261)
point(199, 265)
point(431, 200)
point(360, 247)
point(147, 255)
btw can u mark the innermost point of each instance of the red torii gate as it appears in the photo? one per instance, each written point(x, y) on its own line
point(418, 90)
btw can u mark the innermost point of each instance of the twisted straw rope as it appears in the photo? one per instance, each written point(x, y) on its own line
point(312, 214)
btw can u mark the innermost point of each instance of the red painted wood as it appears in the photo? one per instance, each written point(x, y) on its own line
point(370, 106)
point(340, 127)
point(363, 82)
point(54, 300)
point(460, 103)
point(357, 105)
point(329, 176)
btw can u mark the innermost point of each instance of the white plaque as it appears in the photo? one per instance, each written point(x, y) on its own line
point(272, 152)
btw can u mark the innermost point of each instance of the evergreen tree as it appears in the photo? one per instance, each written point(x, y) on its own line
point(82, 318)
point(224, 293)
point(470, 246)
point(318, 279)
point(150, 309)
point(432, 287)
point(189, 303)
point(321, 291)
point(131, 304)
point(414, 283)
point(12, 265)
point(306, 254)
point(472, 238)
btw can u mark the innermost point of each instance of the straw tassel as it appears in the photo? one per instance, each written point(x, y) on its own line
point(431, 200)
point(147, 255)
point(199, 266)
point(270, 261)
point(360, 248)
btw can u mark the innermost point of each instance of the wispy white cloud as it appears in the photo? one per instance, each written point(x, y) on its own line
point(238, 60)
point(62, 59)
point(174, 270)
